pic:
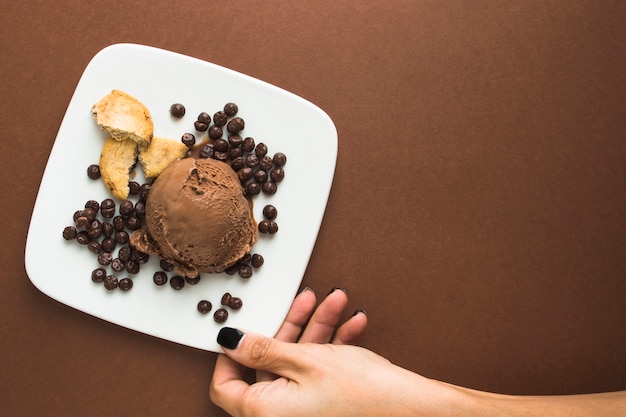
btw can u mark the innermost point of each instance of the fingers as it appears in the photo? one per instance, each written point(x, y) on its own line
point(281, 356)
point(322, 324)
point(298, 316)
point(350, 332)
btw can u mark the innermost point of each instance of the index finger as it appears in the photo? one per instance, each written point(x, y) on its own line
point(297, 317)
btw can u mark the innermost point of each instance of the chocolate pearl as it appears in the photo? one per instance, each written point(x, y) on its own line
point(253, 188)
point(207, 151)
point(204, 306)
point(226, 299)
point(192, 280)
point(83, 238)
point(263, 226)
point(220, 118)
point(220, 315)
point(125, 284)
point(107, 229)
point(94, 247)
point(177, 110)
point(105, 258)
point(132, 266)
point(235, 303)
point(270, 212)
point(235, 125)
point(220, 145)
point(272, 227)
point(107, 203)
point(124, 253)
point(204, 117)
point(134, 187)
point(277, 174)
point(231, 109)
point(108, 244)
point(232, 270)
point(235, 140)
point(144, 190)
point(98, 275)
point(215, 132)
point(252, 160)
point(122, 237)
point(82, 223)
point(269, 188)
point(245, 259)
point(221, 156)
point(118, 265)
point(119, 223)
point(95, 229)
point(70, 233)
point(200, 127)
point(93, 171)
point(235, 152)
point(78, 214)
point(177, 282)
point(140, 211)
point(260, 176)
point(110, 282)
point(166, 266)
point(133, 222)
point(141, 257)
point(107, 208)
point(261, 150)
point(245, 174)
point(248, 144)
point(257, 260)
point(90, 214)
point(266, 162)
point(93, 204)
point(159, 278)
point(237, 163)
point(279, 159)
point(188, 139)
point(244, 271)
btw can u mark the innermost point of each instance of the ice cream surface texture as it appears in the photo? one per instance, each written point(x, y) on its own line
point(197, 218)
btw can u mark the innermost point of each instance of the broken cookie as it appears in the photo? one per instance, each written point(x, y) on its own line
point(117, 160)
point(124, 117)
point(161, 152)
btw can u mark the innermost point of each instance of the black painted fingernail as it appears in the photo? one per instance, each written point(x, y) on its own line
point(338, 288)
point(360, 310)
point(229, 337)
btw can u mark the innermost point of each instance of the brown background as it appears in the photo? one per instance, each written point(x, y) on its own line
point(478, 210)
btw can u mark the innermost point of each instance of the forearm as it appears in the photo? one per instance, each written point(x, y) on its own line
point(612, 404)
point(419, 396)
point(478, 403)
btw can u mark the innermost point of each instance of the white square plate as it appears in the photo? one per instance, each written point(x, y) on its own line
point(283, 121)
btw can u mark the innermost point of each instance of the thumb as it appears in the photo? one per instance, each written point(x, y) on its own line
point(261, 353)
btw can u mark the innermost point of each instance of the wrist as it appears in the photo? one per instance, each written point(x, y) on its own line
point(417, 396)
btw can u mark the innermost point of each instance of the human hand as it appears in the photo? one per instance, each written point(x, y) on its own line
point(303, 324)
point(321, 374)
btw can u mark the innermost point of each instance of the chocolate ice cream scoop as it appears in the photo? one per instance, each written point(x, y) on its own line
point(197, 218)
